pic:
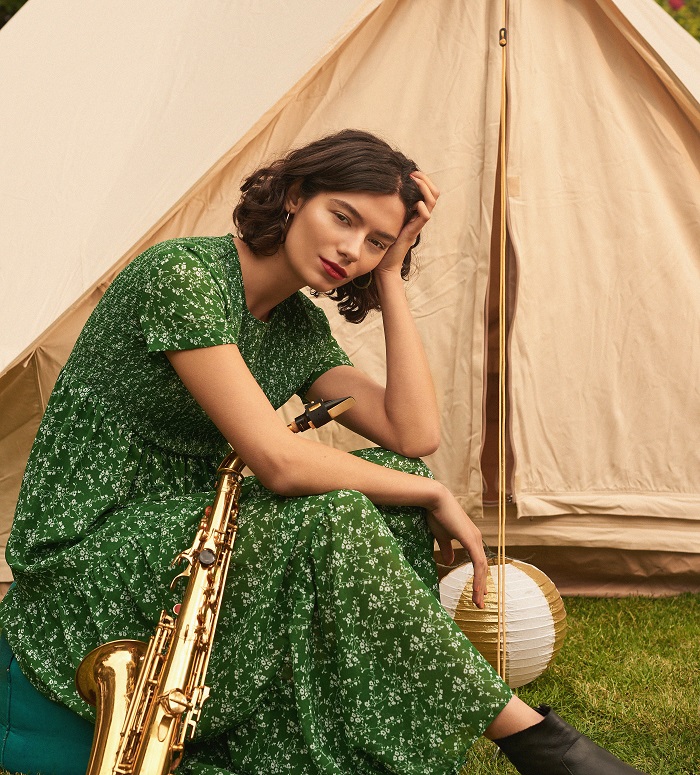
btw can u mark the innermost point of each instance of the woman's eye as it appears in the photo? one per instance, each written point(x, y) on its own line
point(343, 218)
point(378, 244)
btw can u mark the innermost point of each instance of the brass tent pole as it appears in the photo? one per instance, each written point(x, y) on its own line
point(501, 555)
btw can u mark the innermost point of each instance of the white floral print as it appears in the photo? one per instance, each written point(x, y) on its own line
point(333, 654)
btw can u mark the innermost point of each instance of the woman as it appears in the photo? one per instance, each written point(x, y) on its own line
point(332, 653)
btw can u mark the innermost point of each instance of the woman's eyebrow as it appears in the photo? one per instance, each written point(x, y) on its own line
point(355, 214)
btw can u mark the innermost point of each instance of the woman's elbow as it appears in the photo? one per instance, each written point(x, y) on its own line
point(279, 475)
point(421, 445)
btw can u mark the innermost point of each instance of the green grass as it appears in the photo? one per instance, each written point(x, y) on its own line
point(628, 676)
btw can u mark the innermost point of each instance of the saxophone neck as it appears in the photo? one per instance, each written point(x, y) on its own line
point(232, 464)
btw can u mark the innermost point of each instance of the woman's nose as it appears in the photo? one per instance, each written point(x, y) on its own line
point(351, 248)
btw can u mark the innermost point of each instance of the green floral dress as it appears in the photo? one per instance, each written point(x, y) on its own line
point(333, 654)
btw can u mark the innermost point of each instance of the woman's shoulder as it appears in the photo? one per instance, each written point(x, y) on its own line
point(204, 263)
point(205, 256)
point(207, 250)
point(190, 280)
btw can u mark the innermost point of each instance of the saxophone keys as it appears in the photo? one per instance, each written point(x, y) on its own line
point(175, 702)
point(185, 556)
point(207, 557)
point(199, 696)
point(184, 575)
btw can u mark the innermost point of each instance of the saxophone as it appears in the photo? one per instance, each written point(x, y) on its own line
point(149, 697)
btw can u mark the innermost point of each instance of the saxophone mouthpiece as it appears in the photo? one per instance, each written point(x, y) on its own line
point(318, 413)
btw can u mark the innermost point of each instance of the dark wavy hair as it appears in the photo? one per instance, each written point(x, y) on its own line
point(351, 160)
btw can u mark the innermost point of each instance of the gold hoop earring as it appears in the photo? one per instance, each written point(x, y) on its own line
point(366, 285)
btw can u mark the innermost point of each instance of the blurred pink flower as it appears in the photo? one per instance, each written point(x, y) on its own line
point(676, 4)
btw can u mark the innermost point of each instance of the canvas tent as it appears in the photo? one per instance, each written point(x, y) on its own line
point(137, 124)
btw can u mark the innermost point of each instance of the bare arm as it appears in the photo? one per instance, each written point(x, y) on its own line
point(403, 416)
point(290, 464)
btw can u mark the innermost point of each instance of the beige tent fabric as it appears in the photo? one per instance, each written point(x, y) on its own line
point(667, 50)
point(605, 346)
point(449, 125)
point(358, 87)
point(116, 111)
point(602, 190)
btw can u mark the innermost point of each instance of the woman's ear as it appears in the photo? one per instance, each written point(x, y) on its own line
point(293, 199)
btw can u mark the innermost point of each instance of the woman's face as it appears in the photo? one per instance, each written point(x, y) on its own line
point(335, 237)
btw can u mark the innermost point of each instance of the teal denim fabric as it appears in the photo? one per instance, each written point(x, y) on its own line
point(37, 736)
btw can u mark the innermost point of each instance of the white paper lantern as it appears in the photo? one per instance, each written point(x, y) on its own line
point(534, 613)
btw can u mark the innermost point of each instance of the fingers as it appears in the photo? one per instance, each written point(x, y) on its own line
point(447, 551)
point(475, 546)
point(424, 207)
point(427, 188)
point(481, 570)
point(449, 521)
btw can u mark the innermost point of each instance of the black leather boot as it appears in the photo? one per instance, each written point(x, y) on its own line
point(553, 747)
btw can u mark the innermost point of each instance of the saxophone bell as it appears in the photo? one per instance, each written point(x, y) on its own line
point(106, 679)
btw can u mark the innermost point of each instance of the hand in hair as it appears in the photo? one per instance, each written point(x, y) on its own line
point(393, 258)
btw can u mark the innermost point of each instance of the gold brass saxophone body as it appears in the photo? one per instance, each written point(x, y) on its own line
point(149, 698)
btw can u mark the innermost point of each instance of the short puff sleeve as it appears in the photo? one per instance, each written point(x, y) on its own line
point(185, 302)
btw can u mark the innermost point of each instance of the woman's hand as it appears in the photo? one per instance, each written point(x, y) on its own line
point(393, 258)
point(447, 521)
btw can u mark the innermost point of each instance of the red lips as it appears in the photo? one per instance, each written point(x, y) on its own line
point(334, 270)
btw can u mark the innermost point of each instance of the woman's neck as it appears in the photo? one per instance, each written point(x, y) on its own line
point(267, 280)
